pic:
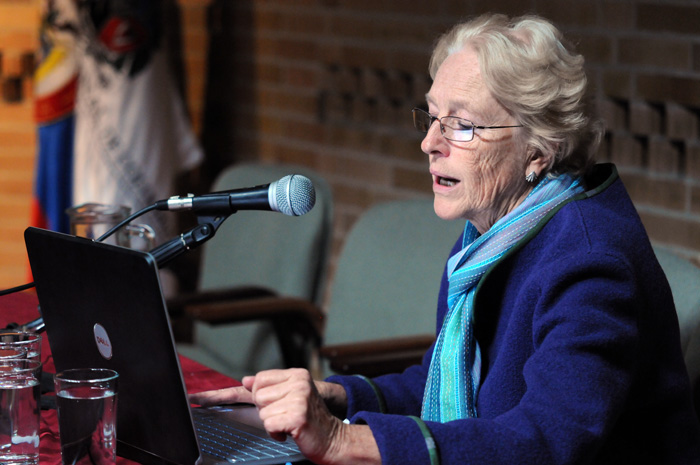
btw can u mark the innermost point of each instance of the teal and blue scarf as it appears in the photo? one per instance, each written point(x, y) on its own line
point(455, 369)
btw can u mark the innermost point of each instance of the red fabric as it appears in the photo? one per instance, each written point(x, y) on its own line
point(22, 308)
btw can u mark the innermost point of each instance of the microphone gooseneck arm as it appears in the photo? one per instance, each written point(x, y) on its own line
point(205, 230)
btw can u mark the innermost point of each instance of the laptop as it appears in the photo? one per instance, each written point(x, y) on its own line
point(103, 307)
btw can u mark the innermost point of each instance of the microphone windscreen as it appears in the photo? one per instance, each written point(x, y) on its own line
point(294, 195)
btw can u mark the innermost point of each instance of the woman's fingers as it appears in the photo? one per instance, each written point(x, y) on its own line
point(232, 395)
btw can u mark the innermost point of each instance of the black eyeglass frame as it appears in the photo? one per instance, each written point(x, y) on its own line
point(455, 118)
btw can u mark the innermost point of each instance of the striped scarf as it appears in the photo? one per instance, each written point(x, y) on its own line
point(455, 369)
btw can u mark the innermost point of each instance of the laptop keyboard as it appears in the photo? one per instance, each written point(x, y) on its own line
point(225, 442)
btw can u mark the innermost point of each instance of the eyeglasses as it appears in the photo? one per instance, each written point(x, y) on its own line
point(452, 128)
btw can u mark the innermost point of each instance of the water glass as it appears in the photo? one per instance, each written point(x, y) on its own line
point(20, 408)
point(92, 220)
point(86, 400)
point(27, 343)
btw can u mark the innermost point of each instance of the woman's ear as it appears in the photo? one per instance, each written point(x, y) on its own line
point(537, 163)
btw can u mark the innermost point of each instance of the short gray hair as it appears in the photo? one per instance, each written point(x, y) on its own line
point(537, 76)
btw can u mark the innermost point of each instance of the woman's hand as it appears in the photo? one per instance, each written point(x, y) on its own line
point(333, 394)
point(290, 403)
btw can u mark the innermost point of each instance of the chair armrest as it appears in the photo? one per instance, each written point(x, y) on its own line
point(176, 305)
point(269, 308)
point(373, 358)
point(297, 322)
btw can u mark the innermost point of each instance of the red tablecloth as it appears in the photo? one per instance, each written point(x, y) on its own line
point(22, 308)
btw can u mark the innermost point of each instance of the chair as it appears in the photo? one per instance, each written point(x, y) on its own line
point(684, 279)
point(253, 255)
point(381, 314)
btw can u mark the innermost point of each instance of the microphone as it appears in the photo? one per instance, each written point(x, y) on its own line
point(292, 195)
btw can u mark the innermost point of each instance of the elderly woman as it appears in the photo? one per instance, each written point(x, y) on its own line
point(557, 337)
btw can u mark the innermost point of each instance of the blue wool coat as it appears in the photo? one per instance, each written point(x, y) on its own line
point(580, 349)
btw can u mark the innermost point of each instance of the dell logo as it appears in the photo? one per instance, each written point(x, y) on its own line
point(104, 346)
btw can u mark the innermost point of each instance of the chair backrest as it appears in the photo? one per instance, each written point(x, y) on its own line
point(388, 274)
point(285, 254)
point(684, 279)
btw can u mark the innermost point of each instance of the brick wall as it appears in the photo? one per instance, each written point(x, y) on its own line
point(19, 23)
point(330, 83)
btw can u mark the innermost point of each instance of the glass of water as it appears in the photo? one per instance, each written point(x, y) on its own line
point(27, 342)
point(86, 399)
point(20, 391)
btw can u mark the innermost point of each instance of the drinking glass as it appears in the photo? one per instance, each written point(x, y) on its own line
point(20, 392)
point(92, 220)
point(28, 343)
point(86, 400)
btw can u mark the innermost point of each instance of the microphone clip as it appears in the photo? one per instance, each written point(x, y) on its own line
point(205, 230)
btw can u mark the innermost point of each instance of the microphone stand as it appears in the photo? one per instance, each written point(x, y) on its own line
point(163, 254)
point(188, 240)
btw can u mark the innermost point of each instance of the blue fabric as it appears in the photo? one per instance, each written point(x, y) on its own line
point(53, 185)
point(581, 359)
point(455, 369)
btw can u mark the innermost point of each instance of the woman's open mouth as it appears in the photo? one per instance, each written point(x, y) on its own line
point(447, 182)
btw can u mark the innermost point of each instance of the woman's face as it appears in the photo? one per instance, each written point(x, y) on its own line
point(483, 179)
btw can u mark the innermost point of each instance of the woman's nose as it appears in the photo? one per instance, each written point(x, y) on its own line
point(432, 140)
